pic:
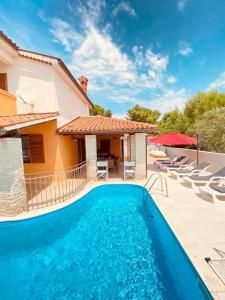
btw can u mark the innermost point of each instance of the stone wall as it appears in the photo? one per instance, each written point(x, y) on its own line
point(132, 147)
point(12, 184)
point(91, 155)
point(140, 155)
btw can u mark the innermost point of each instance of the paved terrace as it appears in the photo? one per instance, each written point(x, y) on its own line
point(198, 224)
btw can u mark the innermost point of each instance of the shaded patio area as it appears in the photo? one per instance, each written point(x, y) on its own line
point(113, 140)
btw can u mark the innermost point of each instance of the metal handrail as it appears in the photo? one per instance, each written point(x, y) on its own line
point(47, 188)
point(158, 177)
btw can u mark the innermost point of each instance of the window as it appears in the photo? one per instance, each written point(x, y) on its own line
point(33, 148)
point(26, 149)
point(3, 81)
point(105, 146)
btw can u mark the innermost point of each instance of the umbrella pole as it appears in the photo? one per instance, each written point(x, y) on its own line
point(197, 150)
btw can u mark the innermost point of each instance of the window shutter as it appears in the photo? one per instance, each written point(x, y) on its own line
point(3, 81)
point(36, 148)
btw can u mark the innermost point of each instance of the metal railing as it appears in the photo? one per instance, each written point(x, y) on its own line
point(155, 177)
point(47, 188)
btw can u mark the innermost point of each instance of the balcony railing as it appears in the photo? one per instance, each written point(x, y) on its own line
point(48, 188)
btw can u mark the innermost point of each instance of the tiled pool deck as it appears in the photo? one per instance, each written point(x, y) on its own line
point(198, 224)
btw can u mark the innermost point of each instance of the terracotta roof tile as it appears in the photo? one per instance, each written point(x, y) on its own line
point(8, 40)
point(100, 124)
point(6, 121)
point(35, 58)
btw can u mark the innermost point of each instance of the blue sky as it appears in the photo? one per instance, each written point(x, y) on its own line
point(155, 53)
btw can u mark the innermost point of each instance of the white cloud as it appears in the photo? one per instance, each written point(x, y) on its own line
point(90, 11)
point(101, 60)
point(171, 79)
point(65, 34)
point(169, 99)
point(156, 61)
point(181, 5)
point(124, 7)
point(184, 48)
point(218, 83)
point(112, 73)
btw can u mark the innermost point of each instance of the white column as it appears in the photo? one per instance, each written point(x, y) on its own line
point(91, 155)
point(12, 183)
point(132, 147)
point(125, 148)
point(140, 155)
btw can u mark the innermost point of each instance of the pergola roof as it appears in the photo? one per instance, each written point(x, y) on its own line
point(103, 125)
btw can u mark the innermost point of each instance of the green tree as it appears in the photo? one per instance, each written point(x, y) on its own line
point(201, 103)
point(99, 110)
point(143, 114)
point(212, 129)
point(174, 121)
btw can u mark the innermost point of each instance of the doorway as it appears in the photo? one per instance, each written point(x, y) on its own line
point(81, 150)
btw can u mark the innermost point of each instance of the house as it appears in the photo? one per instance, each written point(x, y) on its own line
point(45, 127)
point(41, 83)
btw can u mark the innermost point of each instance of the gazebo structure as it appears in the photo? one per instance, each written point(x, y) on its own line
point(99, 137)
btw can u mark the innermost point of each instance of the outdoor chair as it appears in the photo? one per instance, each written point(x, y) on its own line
point(216, 192)
point(204, 180)
point(189, 171)
point(129, 169)
point(102, 170)
point(175, 161)
point(184, 162)
point(178, 160)
point(218, 264)
point(181, 166)
point(166, 160)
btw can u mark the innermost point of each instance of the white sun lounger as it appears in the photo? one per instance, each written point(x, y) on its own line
point(187, 163)
point(218, 264)
point(178, 160)
point(189, 171)
point(215, 192)
point(204, 180)
point(171, 159)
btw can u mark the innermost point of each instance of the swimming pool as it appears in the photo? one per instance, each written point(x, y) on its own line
point(111, 244)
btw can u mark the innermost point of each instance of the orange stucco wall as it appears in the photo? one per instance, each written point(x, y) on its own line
point(7, 104)
point(114, 143)
point(60, 151)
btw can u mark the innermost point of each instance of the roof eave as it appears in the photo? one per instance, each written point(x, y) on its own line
point(130, 131)
point(6, 129)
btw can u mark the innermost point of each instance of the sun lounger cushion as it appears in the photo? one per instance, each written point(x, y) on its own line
point(201, 178)
point(183, 171)
point(219, 173)
point(220, 189)
point(201, 167)
point(179, 159)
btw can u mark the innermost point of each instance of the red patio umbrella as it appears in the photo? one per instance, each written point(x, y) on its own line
point(173, 138)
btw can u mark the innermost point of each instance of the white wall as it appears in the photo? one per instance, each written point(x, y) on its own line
point(49, 91)
point(70, 104)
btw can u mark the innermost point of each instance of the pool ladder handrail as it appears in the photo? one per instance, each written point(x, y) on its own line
point(157, 177)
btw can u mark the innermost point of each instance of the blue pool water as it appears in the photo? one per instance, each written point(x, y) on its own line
point(111, 244)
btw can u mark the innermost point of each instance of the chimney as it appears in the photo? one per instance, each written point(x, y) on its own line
point(83, 83)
